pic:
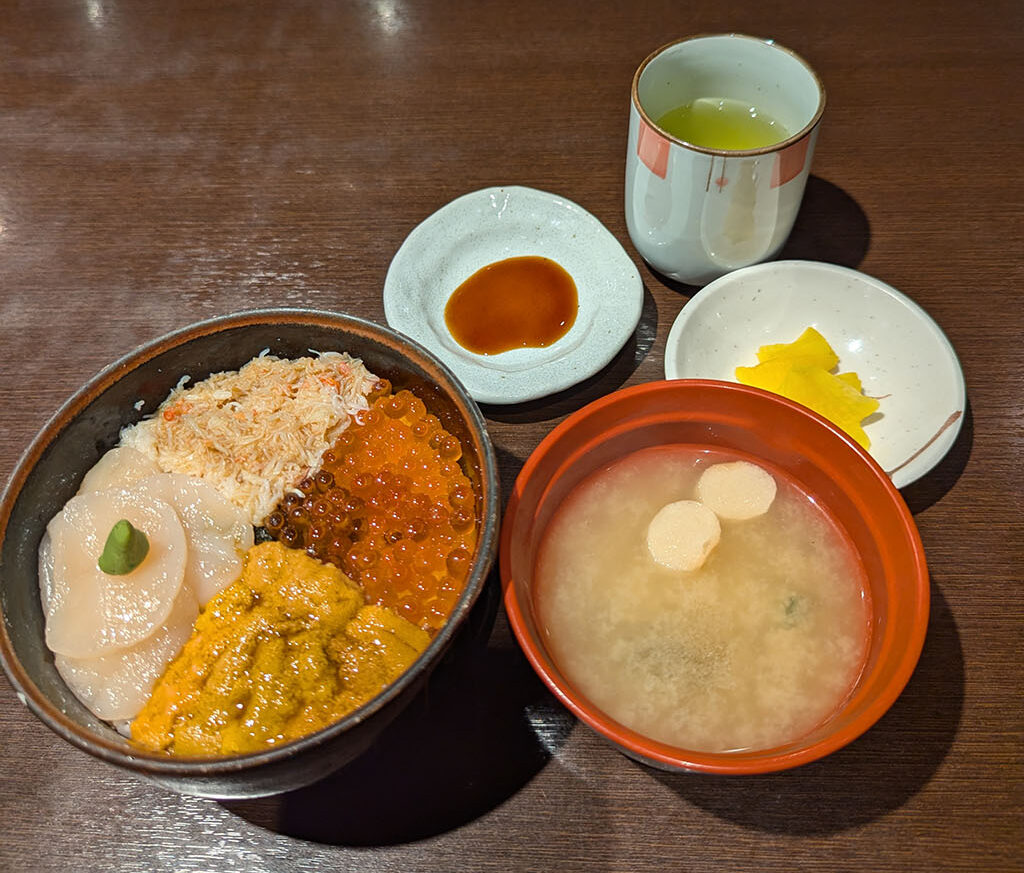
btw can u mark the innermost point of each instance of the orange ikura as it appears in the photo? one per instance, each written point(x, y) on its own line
point(391, 507)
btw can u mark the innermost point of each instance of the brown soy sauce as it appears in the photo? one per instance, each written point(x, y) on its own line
point(522, 302)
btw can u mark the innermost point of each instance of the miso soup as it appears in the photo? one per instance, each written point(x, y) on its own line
point(752, 650)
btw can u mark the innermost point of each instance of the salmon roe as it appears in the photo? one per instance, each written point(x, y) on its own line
point(391, 507)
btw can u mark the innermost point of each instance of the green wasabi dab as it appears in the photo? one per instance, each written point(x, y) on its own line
point(125, 549)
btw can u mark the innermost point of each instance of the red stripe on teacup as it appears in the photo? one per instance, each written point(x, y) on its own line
point(789, 163)
point(652, 149)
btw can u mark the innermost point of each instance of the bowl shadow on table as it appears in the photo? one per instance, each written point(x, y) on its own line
point(464, 746)
point(935, 484)
point(874, 775)
point(609, 378)
point(509, 467)
point(829, 227)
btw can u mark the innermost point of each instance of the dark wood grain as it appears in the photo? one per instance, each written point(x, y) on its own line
point(162, 163)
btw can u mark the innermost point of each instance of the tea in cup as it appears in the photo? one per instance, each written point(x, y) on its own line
point(721, 134)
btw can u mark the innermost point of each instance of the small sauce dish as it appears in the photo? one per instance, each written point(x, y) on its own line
point(493, 225)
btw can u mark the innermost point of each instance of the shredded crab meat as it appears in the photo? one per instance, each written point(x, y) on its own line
point(256, 432)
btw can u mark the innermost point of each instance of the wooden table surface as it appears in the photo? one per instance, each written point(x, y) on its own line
point(162, 163)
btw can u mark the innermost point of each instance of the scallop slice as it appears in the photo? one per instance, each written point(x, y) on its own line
point(737, 490)
point(91, 613)
point(45, 571)
point(218, 532)
point(121, 467)
point(682, 534)
point(116, 686)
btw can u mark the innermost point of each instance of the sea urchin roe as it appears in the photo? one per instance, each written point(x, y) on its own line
point(283, 651)
point(392, 508)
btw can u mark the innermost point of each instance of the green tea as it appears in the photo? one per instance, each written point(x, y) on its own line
point(720, 123)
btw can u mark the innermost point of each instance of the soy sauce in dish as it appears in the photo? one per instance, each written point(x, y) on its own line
point(521, 302)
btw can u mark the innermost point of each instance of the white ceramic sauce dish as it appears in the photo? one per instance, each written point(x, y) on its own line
point(494, 224)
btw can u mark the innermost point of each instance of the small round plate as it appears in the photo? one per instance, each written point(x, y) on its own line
point(899, 352)
point(490, 225)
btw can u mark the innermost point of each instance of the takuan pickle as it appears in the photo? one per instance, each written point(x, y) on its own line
point(801, 371)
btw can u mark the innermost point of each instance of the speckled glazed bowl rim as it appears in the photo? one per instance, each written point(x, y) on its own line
point(904, 652)
point(159, 765)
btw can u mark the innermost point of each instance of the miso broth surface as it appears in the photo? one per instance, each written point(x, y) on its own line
point(753, 650)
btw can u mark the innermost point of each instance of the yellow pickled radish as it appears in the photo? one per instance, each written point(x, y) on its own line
point(800, 371)
point(810, 347)
point(771, 375)
point(851, 379)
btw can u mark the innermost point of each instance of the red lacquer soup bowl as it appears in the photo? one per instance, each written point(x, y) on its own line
point(812, 454)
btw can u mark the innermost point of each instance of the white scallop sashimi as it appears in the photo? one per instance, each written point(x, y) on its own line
point(117, 686)
point(121, 467)
point(218, 531)
point(45, 571)
point(91, 613)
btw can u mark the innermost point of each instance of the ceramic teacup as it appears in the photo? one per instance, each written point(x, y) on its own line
point(696, 211)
